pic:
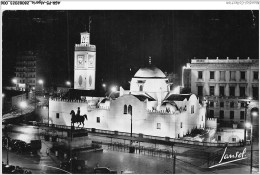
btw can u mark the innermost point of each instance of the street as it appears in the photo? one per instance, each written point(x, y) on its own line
point(188, 159)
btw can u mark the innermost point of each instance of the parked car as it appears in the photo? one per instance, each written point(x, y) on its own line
point(19, 146)
point(7, 169)
point(104, 170)
point(77, 165)
point(13, 143)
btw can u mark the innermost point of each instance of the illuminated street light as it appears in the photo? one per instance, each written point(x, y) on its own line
point(41, 82)
point(68, 83)
point(104, 85)
point(113, 88)
point(246, 108)
point(254, 113)
point(14, 80)
point(248, 125)
point(23, 105)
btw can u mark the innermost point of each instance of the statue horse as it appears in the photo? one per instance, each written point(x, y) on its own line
point(78, 119)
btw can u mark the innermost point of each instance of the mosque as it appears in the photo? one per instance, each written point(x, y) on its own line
point(148, 108)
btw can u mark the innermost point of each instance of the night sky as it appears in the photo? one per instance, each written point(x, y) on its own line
point(125, 39)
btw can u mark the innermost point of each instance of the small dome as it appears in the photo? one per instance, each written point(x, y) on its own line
point(149, 72)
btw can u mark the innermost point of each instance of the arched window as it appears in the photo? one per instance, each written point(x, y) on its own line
point(141, 88)
point(130, 109)
point(192, 109)
point(125, 109)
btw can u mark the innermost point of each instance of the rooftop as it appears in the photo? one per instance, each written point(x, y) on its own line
point(177, 97)
point(226, 60)
point(149, 72)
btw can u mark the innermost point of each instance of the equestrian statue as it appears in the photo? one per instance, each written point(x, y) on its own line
point(77, 118)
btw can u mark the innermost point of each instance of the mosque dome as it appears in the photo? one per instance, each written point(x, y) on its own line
point(149, 72)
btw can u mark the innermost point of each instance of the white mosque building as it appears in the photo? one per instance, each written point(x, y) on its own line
point(153, 108)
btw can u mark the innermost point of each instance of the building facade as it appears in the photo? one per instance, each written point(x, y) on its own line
point(25, 72)
point(230, 86)
point(85, 64)
point(150, 105)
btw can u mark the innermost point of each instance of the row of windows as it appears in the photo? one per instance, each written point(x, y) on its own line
point(232, 90)
point(231, 104)
point(232, 75)
point(25, 70)
point(28, 75)
point(25, 64)
point(29, 81)
point(231, 114)
point(233, 139)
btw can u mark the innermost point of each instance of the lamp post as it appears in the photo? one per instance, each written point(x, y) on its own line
point(113, 89)
point(131, 125)
point(104, 86)
point(174, 161)
point(41, 83)
point(23, 105)
point(15, 82)
point(48, 111)
point(7, 146)
point(248, 125)
point(247, 104)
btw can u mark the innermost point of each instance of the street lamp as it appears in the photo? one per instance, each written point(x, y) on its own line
point(246, 107)
point(68, 83)
point(248, 125)
point(41, 83)
point(14, 80)
point(23, 105)
point(113, 89)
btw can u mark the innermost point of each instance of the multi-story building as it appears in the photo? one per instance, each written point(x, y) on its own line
point(25, 72)
point(228, 85)
point(174, 80)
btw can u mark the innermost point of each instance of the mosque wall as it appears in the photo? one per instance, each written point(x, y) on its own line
point(156, 123)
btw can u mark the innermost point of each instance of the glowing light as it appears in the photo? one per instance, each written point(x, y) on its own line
point(248, 125)
point(104, 85)
point(3, 95)
point(14, 81)
point(40, 81)
point(68, 83)
point(23, 104)
point(254, 113)
point(113, 88)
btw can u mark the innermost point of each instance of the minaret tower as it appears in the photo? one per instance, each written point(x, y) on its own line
point(85, 64)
